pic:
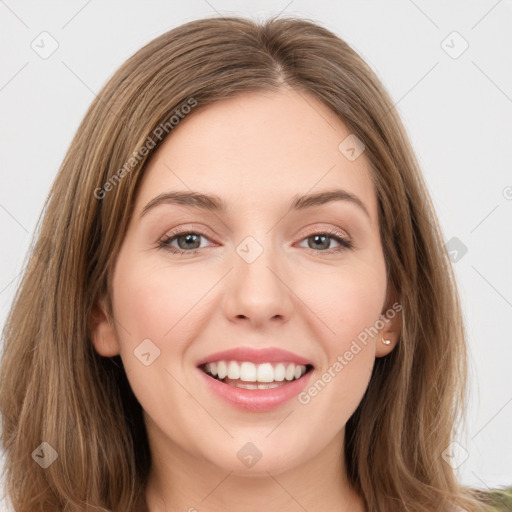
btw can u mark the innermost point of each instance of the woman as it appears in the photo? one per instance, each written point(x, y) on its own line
point(306, 352)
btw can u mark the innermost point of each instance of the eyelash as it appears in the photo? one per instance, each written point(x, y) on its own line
point(164, 243)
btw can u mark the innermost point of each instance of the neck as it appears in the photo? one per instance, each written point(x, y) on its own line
point(181, 481)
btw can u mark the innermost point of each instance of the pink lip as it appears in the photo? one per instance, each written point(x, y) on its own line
point(256, 400)
point(262, 355)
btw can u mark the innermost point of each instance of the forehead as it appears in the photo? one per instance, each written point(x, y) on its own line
point(257, 150)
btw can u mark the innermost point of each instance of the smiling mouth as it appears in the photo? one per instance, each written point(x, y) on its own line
point(248, 375)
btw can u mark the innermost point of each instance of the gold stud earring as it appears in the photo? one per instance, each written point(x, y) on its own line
point(386, 342)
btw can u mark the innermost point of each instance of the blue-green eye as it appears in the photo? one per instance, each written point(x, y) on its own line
point(322, 241)
point(189, 242)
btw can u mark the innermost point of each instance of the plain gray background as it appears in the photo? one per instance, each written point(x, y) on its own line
point(456, 106)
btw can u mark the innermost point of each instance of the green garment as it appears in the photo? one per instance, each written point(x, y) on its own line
point(501, 500)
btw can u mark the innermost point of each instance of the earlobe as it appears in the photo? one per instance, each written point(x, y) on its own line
point(390, 333)
point(385, 344)
point(103, 334)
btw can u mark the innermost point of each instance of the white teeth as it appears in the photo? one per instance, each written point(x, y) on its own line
point(247, 371)
point(290, 372)
point(264, 373)
point(279, 372)
point(222, 369)
point(233, 370)
point(246, 386)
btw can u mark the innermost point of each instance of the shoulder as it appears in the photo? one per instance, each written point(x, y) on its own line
point(501, 499)
point(495, 500)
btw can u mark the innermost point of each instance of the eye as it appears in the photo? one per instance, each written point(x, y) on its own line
point(322, 241)
point(188, 242)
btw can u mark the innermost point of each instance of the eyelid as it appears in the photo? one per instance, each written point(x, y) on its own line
point(331, 230)
point(309, 231)
point(180, 231)
point(344, 240)
point(187, 228)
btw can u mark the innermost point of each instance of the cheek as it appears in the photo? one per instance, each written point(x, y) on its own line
point(152, 301)
point(346, 301)
point(156, 304)
point(347, 304)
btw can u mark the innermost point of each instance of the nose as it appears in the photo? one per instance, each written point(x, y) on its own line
point(258, 292)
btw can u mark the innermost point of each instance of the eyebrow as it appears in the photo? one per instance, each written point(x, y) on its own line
point(214, 203)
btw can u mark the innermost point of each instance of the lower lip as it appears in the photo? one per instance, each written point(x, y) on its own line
point(256, 400)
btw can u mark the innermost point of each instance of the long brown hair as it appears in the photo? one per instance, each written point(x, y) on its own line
point(56, 389)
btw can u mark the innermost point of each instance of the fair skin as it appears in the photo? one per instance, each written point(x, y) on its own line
point(256, 152)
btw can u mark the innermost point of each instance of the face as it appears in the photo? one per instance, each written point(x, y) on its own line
point(285, 284)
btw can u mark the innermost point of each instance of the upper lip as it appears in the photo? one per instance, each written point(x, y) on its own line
point(262, 355)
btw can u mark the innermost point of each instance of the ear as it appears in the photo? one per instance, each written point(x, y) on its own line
point(391, 317)
point(103, 334)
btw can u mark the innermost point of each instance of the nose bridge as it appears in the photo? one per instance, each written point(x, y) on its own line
point(257, 290)
point(256, 256)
